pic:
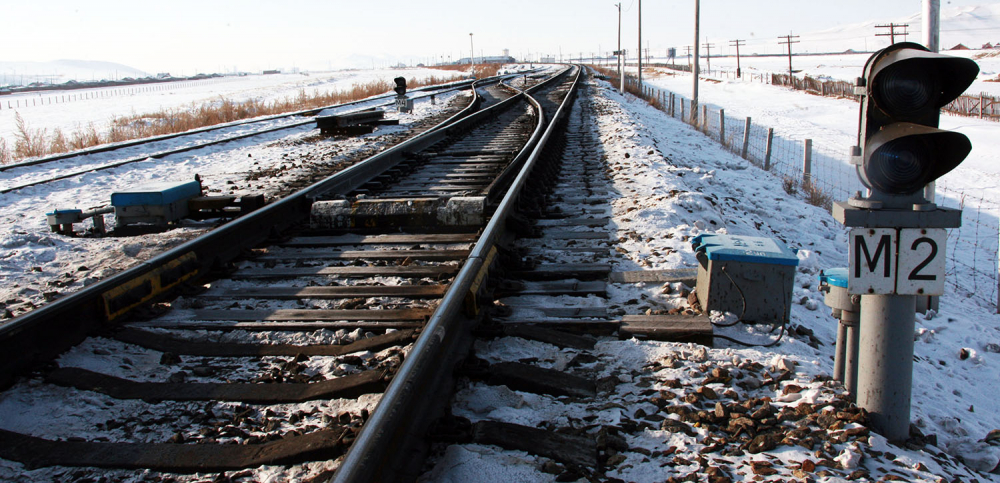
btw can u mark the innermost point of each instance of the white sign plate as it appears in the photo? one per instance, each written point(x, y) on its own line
point(872, 261)
point(921, 261)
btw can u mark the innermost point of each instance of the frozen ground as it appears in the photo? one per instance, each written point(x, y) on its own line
point(80, 114)
point(674, 183)
point(37, 265)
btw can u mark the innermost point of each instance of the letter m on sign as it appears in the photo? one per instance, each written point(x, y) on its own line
point(872, 256)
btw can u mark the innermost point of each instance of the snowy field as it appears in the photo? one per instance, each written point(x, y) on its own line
point(35, 263)
point(673, 183)
point(116, 102)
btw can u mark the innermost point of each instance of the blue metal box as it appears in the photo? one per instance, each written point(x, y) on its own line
point(157, 193)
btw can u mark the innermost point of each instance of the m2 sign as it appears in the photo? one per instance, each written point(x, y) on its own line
point(908, 261)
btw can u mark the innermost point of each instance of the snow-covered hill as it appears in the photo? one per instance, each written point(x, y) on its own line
point(59, 71)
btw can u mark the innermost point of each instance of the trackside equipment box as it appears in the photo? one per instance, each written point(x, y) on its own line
point(749, 276)
point(157, 203)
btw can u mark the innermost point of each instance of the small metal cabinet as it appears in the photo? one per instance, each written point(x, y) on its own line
point(749, 276)
point(158, 203)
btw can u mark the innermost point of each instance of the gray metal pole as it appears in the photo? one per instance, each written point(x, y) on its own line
point(840, 352)
point(851, 321)
point(472, 55)
point(885, 375)
point(621, 77)
point(695, 71)
point(931, 25)
point(640, 47)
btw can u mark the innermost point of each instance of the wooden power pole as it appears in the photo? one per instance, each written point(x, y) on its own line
point(708, 56)
point(892, 31)
point(788, 41)
point(737, 43)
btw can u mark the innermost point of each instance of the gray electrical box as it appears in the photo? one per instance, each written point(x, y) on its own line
point(749, 276)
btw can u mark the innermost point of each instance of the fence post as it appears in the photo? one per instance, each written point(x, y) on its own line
point(722, 126)
point(671, 104)
point(682, 109)
point(746, 138)
point(767, 149)
point(807, 157)
point(704, 119)
point(981, 104)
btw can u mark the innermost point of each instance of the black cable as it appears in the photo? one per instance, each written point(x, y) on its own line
point(742, 297)
point(740, 319)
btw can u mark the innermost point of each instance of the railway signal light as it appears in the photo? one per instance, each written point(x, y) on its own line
point(901, 148)
point(400, 86)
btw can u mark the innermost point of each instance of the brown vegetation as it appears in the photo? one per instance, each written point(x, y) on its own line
point(482, 70)
point(38, 142)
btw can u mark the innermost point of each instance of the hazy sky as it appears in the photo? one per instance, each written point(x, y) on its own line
point(185, 36)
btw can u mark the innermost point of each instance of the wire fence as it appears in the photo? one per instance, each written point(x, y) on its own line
point(825, 174)
point(22, 100)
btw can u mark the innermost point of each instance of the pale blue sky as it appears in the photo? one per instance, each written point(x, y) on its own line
point(184, 36)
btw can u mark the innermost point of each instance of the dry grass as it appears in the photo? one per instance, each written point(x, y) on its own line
point(482, 70)
point(37, 142)
point(816, 197)
point(5, 154)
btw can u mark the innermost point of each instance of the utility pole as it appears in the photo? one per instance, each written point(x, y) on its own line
point(708, 55)
point(639, 52)
point(472, 55)
point(737, 43)
point(931, 21)
point(621, 77)
point(788, 41)
point(694, 70)
point(892, 31)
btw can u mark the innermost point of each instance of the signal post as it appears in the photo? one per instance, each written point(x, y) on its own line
point(897, 237)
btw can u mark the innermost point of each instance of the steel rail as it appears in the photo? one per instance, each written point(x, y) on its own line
point(307, 112)
point(389, 444)
point(169, 152)
point(45, 332)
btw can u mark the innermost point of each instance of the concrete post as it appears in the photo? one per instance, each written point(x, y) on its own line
point(885, 359)
point(767, 149)
point(722, 126)
point(746, 139)
point(807, 162)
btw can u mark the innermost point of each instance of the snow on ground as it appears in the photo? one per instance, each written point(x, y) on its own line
point(674, 183)
point(80, 114)
point(36, 264)
point(832, 124)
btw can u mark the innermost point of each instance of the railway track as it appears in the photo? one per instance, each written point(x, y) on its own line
point(290, 322)
point(452, 296)
point(16, 177)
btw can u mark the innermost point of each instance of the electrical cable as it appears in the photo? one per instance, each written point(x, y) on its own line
point(739, 320)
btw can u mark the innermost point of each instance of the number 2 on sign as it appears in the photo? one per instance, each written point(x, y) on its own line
point(921, 261)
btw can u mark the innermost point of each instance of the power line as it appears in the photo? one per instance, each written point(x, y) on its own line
point(892, 31)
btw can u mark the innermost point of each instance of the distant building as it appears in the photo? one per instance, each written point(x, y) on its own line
point(959, 47)
point(987, 46)
point(500, 59)
point(269, 72)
